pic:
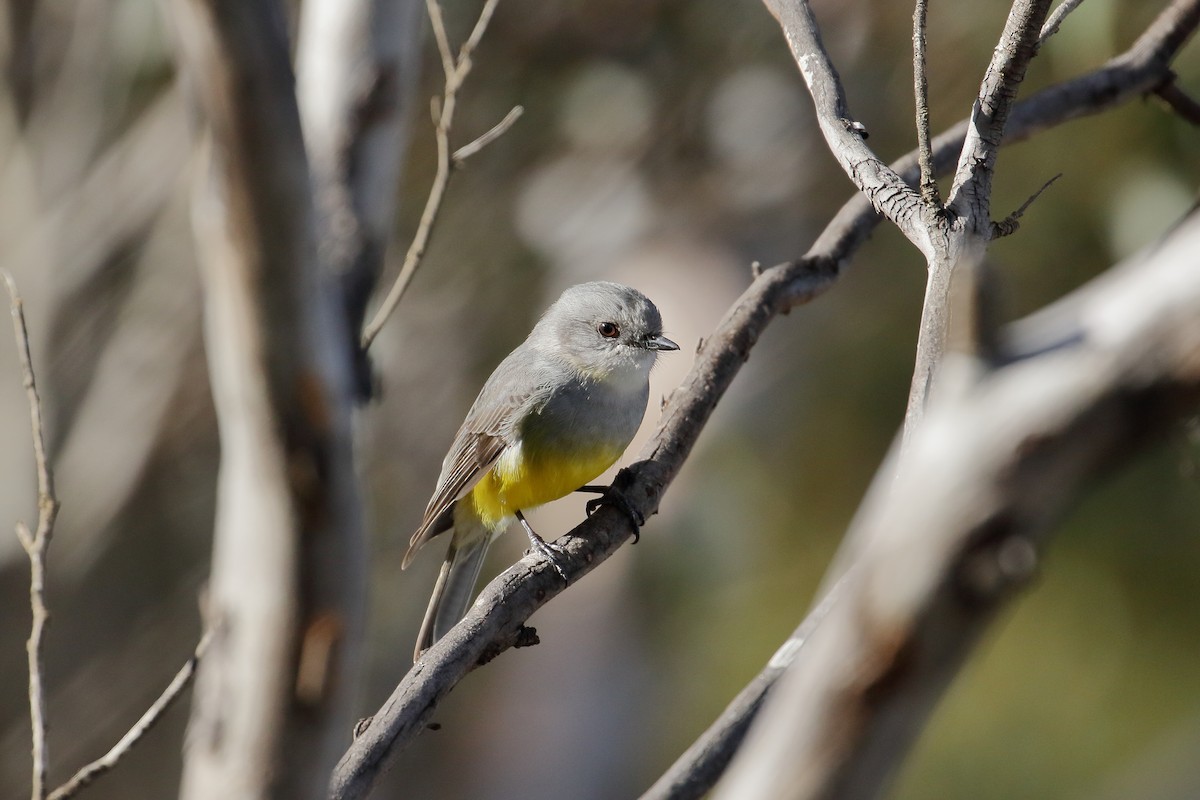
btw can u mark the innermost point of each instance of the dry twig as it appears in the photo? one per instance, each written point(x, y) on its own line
point(1180, 102)
point(1008, 226)
point(88, 773)
point(36, 545)
point(494, 621)
point(456, 71)
point(1055, 20)
point(929, 187)
point(695, 772)
point(954, 528)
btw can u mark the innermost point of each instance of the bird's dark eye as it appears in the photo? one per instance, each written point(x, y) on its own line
point(608, 330)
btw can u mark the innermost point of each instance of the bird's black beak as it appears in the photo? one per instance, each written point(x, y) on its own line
point(660, 342)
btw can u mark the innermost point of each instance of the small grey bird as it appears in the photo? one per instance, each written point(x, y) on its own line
point(559, 410)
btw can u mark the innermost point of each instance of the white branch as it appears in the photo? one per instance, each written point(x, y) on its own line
point(951, 530)
point(273, 697)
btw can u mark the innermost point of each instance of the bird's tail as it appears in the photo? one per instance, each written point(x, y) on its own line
point(454, 588)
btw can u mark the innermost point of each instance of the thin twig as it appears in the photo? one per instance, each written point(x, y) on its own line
point(439, 35)
point(887, 191)
point(36, 544)
point(1180, 102)
point(971, 194)
point(508, 601)
point(697, 770)
point(1009, 225)
point(945, 554)
point(456, 72)
point(498, 130)
point(929, 187)
point(1056, 19)
point(153, 714)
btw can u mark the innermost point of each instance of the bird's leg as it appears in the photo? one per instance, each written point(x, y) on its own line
point(551, 552)
point(614, 496)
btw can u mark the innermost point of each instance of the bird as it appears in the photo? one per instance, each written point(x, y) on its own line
point(556, 412)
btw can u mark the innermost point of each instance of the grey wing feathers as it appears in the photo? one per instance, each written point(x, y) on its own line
point(473, 455)
point(487, 430)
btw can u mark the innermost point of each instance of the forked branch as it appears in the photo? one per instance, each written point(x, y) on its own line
point(456, 70)
point(36, 545)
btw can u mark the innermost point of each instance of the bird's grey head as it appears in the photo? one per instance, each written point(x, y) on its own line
point(605, 329)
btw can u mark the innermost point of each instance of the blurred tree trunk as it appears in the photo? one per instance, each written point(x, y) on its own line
point(273, 699)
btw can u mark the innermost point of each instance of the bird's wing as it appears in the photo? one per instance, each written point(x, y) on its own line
point(486, 432)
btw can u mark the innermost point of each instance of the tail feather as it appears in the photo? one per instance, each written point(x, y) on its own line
point(453, 590)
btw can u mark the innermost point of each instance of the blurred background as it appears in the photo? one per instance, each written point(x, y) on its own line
point(666, 144)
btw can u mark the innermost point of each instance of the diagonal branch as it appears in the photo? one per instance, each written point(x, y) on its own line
point(699, 768)
point(1055, 20)
point(357, 63)
point(970, 197)
point(1179, 101)
point(456, 71)
point(36, 545)
point(929, 187)
point(89, 772)
point(494, 622)
point(888, 192)
point(956, 525)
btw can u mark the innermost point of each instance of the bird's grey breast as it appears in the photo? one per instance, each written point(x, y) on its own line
point(581, 413)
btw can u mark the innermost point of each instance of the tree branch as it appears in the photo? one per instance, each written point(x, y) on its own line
point(970, 197)
point(88, 773)
point(1008, 226)
point(960, 237)
point(495, 620)
point(953, 528)
point(1055, 20)
point(357, 62)
point(929, 187)
point(1183, 104)
point(36, 545)
point(289, 563)
point(456, 71)
point(698, 769)
point(888, 192)
point(494, 133)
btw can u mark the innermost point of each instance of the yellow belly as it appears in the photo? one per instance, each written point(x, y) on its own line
point(521, 481)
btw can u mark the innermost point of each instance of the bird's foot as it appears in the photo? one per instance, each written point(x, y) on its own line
point(551, 552)
point(611, 495)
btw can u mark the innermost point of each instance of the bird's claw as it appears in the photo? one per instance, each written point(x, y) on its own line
point(615, 497)
point(551, 552)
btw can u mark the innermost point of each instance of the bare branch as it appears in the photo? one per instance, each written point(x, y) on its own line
point(289, 546)
point(970, 197)
point(702, 764)
point(497, 130)
point(496, 618)
point(439, 35)
point(481, 24)
point(456, 73)
point(1144, 66)
point(1055, 21)
point(929, 187)
point(960, 237)
point(36, 545)
point(357, 63)
point(148, 720)
point(1179, 101)
point(886, 190)
point(1009, 225)
point(954, 528)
